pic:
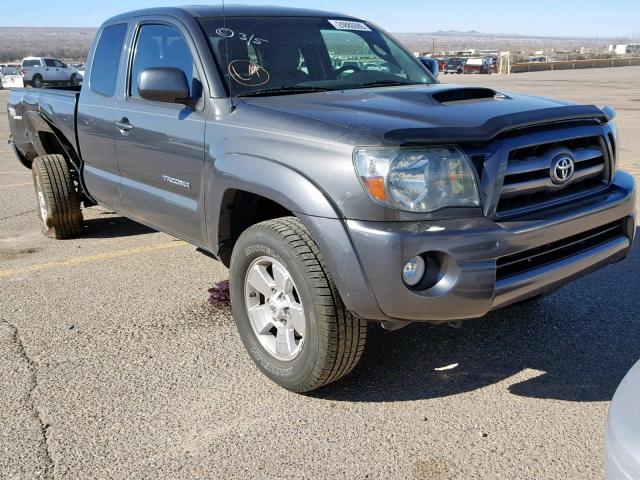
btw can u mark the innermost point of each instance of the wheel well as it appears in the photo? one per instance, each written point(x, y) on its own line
point(51, 144)
point(239, 211)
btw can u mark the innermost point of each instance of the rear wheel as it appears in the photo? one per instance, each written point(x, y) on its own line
point(58, 202)
point(287, 309)
point(37, 81)
point(75, 79)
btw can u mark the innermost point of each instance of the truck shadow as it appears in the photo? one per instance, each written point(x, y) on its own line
point(574, 345)
point(113, 227)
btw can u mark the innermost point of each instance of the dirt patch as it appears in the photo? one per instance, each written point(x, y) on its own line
point(432, 469)
point(13, 253)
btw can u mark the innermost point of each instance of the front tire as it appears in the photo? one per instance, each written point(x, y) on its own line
point(58, 202)
point(287, 309)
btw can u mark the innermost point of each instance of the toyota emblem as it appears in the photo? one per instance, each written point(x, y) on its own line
point(562, 169)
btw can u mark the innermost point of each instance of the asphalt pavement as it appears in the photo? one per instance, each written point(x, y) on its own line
point(114, 365)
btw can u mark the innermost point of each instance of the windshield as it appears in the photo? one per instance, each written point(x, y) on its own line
point(276, 55)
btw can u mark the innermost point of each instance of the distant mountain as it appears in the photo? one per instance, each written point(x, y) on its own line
point(457, 32)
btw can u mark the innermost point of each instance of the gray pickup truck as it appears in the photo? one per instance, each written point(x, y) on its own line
point(320, 161)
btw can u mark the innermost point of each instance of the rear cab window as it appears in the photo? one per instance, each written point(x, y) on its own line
point(106, 59)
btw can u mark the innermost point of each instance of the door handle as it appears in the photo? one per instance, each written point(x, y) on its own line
point(124, 126)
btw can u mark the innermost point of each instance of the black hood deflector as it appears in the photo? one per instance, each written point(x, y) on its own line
point(497, 125)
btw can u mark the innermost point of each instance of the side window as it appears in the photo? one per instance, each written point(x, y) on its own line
point(31, 63)
point(106, 60)
point(160, 46)
point(49, 62)
point(59, 64)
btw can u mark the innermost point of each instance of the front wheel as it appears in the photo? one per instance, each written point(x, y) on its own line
point(287, 310)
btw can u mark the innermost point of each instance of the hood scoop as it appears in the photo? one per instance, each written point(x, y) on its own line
point(467, 95)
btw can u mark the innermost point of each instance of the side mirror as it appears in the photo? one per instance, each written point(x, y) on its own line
point(164, 84)
point(432, 66)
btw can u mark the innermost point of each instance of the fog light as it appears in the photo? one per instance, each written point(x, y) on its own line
point(413, 271)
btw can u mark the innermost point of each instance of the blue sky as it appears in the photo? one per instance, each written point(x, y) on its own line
point(538, 17)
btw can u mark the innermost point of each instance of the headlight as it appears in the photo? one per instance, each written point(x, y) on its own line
point(417, 179)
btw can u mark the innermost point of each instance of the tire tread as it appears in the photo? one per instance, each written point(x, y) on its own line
point(63, 202)
point(342, 333)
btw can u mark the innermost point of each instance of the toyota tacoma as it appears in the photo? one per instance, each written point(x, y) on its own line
point(340, 182)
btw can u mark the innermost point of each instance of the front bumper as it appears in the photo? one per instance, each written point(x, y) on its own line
point(468, 286)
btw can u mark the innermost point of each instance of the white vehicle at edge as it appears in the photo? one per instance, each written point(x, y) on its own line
point(622, 432)
point(37, 71)
point(10, 77)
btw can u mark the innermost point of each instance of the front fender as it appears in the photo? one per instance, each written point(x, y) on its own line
point(267, 178)
point(302, 196)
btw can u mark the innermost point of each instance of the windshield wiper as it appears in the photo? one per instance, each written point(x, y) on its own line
point(383, 83)
point(265, 92)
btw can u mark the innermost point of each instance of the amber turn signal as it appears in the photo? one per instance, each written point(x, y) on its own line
point(376, 188)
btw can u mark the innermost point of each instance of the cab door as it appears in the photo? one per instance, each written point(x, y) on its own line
point(63, 72)
point(96, 116)
point(161, 145)
point(51, 71)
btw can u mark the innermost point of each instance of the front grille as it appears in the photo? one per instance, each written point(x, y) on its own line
point(528, 185)
point(527, 260)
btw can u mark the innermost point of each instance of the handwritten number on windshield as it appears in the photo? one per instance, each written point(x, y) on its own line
point(228, 33)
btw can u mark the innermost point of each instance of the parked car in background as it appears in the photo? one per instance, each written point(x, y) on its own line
point(454, 65)
point(622, 433)
point(11, 77)
point(442, 62)
point(353, 65)
point(431, 64)
point(477, 65)
point(38, 71)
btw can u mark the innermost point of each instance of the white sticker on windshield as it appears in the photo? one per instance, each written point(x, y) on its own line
point(349, 25)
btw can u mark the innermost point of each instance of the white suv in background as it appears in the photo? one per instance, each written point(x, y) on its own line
point(36, 71)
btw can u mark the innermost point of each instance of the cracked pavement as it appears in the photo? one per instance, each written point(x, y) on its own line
point(19, 382)
point(113, 364)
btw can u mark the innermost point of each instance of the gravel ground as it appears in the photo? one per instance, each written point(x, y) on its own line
point(113, 364)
